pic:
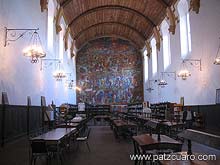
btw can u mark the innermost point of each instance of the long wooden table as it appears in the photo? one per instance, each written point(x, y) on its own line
point(68, 125)
point(145, 141)
point(55, 137)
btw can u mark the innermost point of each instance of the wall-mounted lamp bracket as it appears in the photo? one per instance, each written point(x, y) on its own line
point(194, 62)
point(169, 74)
point(12, 35)
point(45, 63)
point(149, 89)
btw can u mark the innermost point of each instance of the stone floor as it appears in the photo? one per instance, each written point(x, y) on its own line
point(105, 150)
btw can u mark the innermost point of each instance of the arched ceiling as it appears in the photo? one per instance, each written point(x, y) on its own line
point(133, 20)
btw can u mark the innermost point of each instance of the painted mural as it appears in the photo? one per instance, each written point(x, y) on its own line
point(109, 71)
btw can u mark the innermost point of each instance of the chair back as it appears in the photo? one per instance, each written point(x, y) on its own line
point(166, 147)
point(136, 148)
point(88, 133)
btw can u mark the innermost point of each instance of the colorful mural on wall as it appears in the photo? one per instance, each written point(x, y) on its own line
point(109, 71)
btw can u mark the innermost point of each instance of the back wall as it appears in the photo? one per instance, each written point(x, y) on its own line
point(109, 71)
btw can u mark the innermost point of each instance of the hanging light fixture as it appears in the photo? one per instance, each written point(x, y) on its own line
point(162, 82)
point(217, 58)
point(34, 50)
point(59, 74)
point(184, 72)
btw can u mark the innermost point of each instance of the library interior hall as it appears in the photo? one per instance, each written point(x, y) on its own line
point(102, 82)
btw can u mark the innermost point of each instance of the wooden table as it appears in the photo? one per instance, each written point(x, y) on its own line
point(55, 137)
point(151, 143)
point(189, 162)
point(56, 134)
point(77, 120)
point(122, 123)
point(168, 126)
point(68, 125)
point(143, 118)
point(145, 141)
point(121, 126)
point(101, 118)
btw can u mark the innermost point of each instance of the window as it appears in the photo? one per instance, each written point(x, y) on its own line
point(185, 34)
point(50, 25)
point(166, 44)
point(145, 66)
point(61, 42)
point(69, 46)
point(154, 56)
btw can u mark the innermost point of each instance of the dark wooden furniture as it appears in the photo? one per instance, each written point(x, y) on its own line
point(39, 149)
point(101, 119)
point(205, 138)
point(123, 128)
point(56, 137)
point(199, 137)
point(162, 110)
point(68, 125)
point(84, 138)
point(149, 144)
point(135, 108)
point(98, 110)
point(171, 128)
point(154, 125)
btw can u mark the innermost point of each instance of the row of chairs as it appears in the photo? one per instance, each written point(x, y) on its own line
point(40, 148)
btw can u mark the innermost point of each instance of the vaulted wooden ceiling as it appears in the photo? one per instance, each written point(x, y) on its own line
point(133, 20)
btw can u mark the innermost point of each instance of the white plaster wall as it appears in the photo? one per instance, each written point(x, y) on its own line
point(201, 87)
point(18, 77)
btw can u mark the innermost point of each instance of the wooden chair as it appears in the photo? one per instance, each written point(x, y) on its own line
point(39, 149)
point(84, 138)
point(138, 151)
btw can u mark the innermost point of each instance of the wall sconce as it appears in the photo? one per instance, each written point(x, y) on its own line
point(69, 83)
point(162, 82)
point(217, 58)
point(149, 87)
point(184, 72)
point(34, 50)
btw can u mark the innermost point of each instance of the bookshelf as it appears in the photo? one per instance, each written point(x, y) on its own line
point(135, 108)
point(162, 110)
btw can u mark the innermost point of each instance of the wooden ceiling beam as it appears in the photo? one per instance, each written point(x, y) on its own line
point(65, 3)
point(110, 23)
point(162, 2)
point(114, 7)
